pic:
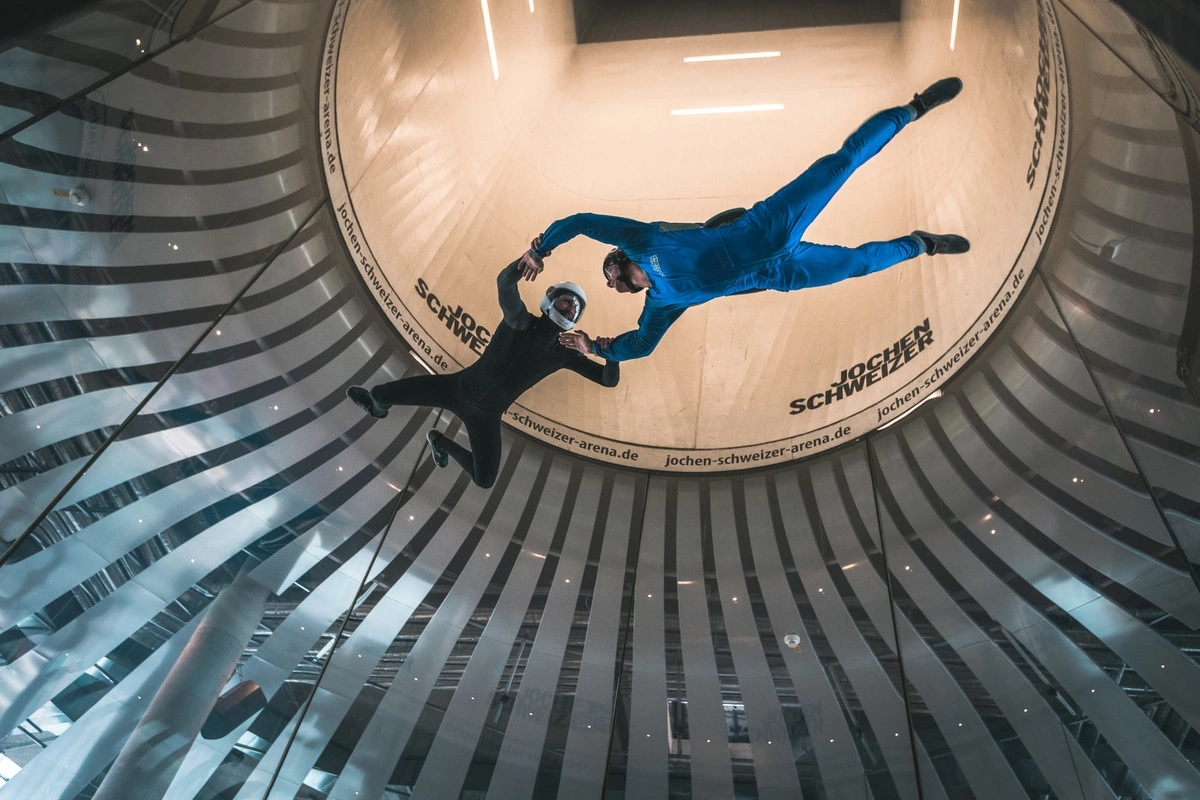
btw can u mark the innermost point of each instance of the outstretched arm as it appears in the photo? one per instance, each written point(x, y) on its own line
point(607, 374)
point(618, 231)
point(516, 315)
point(628, 234)
point(652, 325)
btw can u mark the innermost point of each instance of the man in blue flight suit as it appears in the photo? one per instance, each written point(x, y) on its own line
point(682, 264)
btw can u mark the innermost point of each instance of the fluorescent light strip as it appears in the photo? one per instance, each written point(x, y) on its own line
point(487, 26)
point(530, 6)
point(954, 25)
point(687, 112)
point(732, 57)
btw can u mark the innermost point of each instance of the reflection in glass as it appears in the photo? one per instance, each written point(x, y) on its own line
point(1122, 274)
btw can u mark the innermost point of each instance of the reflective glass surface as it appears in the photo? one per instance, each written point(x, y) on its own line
point(54, 58)
point(258, 591)
point(134, 215)
point(1006, 559)
point(1122, 274)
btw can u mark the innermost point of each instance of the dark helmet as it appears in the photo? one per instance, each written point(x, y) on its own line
point(621, 261)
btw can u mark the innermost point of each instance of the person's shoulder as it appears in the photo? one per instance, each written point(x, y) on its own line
point(656, 301)
point(542, 327)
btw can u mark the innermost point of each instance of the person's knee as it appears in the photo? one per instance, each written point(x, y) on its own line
point(485, 474)
point(842, 162)
point(850, 155)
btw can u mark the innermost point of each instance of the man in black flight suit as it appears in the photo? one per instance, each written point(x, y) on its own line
point(523, 350)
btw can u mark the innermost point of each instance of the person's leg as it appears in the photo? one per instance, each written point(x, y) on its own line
point(482, 461)
point(784, 216)
point(420, 390)
point(823, 264)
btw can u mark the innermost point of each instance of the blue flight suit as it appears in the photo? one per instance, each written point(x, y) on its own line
point(689, 264)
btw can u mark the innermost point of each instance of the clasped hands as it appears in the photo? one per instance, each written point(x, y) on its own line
point(580, 341)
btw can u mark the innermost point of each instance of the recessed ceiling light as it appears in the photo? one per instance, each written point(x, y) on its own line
point(954, 25)
point(487, 28)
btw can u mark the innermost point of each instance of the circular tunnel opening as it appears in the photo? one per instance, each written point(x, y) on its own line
point(453, 136)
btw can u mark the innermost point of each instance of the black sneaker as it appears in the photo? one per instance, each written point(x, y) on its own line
point(440, 456)
point(942, 243)
point(943, 91)
point(363, 399)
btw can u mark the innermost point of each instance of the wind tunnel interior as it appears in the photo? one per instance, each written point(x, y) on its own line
point(222, 580)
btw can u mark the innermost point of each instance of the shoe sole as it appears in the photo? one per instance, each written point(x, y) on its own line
point(368, 407)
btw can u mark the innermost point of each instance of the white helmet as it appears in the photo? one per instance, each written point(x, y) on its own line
point(556, 291)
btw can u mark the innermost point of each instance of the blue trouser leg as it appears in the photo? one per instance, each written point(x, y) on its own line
point(823, 264)
point(779, 222)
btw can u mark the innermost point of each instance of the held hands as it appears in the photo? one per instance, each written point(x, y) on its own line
point(531, 263)
point(579, 341)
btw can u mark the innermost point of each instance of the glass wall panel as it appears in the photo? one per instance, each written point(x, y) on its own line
point(746, 562)
point(997, 728)
point(1110, 27)
point(1037, 579)
point(189, 188)
point(830, 748)
point(1122, 271)
point(481, 697)
point(49, 59)
point(248, 461)
point(832, 530)
point(644, 756)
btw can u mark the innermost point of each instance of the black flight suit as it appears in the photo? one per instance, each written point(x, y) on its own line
point(523, 350)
